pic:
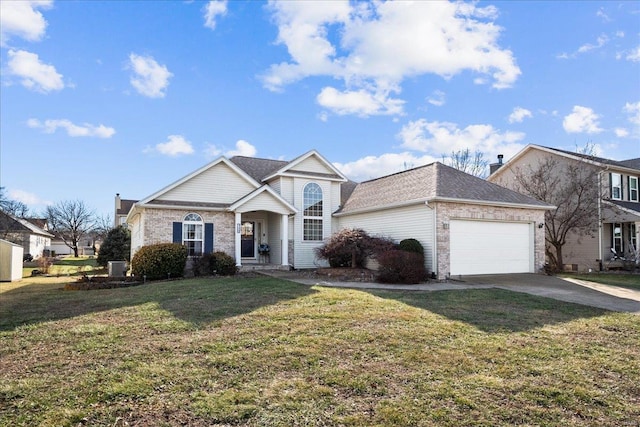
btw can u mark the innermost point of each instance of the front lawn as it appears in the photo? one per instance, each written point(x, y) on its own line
point(266, 352)
point(69, 266)
point(626, 280)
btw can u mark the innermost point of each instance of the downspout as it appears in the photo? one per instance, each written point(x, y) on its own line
point(600, 221)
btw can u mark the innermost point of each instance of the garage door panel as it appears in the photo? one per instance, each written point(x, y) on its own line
point(487, 247)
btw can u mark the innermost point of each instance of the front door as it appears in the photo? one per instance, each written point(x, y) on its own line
point(247, 240)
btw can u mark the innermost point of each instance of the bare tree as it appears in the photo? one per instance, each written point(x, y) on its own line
point(70, 220)
point(12, 207)
point(465, 161)
point(103, 224)
point(573, 187)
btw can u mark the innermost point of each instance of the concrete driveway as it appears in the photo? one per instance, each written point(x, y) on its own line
point(570, 290)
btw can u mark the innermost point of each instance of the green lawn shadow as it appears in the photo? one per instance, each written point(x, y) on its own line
point(197, 301)
point(494, 310)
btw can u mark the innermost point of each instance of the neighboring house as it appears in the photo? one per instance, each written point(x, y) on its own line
point(87, 245)
point(24, 232)
point(466, 225)
point(617, 222)
point(122, 208)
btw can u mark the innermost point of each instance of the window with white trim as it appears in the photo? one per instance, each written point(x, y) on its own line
point(192, 234)
point(616, 186)
point(633, 188)
point(633, 236)
point(616, 234)
point(312, 212)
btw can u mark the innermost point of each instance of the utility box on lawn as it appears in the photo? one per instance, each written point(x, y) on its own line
point(117, 268)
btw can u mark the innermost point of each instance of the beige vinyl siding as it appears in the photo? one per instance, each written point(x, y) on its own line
point(304, 251)
point(263, 202)
point(206, 187)
point(274, 225)
point(287, 192)
point(582, 251)
point(415, 221)
point(275, 184)
point(136, 225)
point(312, 164)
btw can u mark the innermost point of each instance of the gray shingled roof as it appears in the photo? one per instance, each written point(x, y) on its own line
point(125, 206)
point(632, 206)
point(632, 163)
point(256, 168)
point(429, 182)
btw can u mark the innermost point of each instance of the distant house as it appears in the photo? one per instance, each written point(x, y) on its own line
point(24, 232)
point(121, 209)
point(237, 205)
point(616, 224)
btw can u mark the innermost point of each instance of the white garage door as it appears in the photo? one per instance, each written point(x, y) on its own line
point(487, 247)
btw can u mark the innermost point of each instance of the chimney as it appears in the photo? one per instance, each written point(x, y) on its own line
point(495, 166)
point(118, 205)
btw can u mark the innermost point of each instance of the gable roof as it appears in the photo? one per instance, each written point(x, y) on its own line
point(257, 168)
point(125, 206)
point(289, 169)
point(13, 223)
point(432, 182)
point(629, 165)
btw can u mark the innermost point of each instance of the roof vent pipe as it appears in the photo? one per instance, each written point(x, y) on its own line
point(500, 157)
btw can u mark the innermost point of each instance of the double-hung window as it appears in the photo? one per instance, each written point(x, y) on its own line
point(633, 236)
point(633, 188)
point(312, 213)
point(192, 234)
point(616, 186)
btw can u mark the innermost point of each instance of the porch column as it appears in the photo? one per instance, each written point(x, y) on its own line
point(238, 243)
point(285, 239)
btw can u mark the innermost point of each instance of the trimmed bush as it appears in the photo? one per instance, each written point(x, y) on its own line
point(411, 245)
point(216, 263)
point(160, 261)
point(116, 246)
point(398, 266)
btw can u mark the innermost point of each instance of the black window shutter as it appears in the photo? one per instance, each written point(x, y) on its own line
point(177, 232)
point(208, 238)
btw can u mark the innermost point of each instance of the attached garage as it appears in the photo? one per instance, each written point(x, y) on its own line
point(491, 247)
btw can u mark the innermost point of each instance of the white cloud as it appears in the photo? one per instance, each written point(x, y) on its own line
point(212, 10)
point(35, 75)
point(22, 19)
point(600, 42)
point(602, 14)
point(150, 78)
point(73, 130)
point(372, 47)
point(519, 114)
point(442, 138)
point(634, 54)
point(370, 167)
point(243, 148)
point(621, 132)
point(359, 102)
point(438, 98)
point(581, 120)
point(175, 146)
point(633, 109)
point(27, 198)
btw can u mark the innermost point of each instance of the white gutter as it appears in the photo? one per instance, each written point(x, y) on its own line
point(492, 203)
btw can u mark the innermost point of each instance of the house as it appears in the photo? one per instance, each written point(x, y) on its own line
point(121, 209)
point(616, 222)
point(26, 233)
point(238, 205)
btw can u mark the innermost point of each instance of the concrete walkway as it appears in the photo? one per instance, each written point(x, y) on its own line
point(612, 298)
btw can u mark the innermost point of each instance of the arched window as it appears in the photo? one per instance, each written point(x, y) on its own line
point(192, 234)
point(312, 213)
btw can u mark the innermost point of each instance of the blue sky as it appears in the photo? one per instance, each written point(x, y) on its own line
point(99, 98)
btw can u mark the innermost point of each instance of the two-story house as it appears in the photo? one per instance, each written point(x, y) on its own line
point(616, 221)
point(243, 205)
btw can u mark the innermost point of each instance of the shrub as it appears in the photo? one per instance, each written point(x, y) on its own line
point(216, 263)
point(116, 246)
point(351, 247)
point(160, 261)
point(411, 245)
point(398, 266)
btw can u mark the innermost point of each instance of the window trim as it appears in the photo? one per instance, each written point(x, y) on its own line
point(190, 220)
point(613, 187)
point(633, 236)
point(615, 239)
point(633, 179)
point(311, 219)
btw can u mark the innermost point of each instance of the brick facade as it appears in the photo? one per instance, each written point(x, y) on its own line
point(158, 227)
point(445, 212)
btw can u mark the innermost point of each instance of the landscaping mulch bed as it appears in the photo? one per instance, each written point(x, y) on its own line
point(86, 283)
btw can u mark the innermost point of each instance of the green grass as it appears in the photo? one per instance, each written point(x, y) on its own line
point(262, 351)
point(627, 280)
point(69, 266)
